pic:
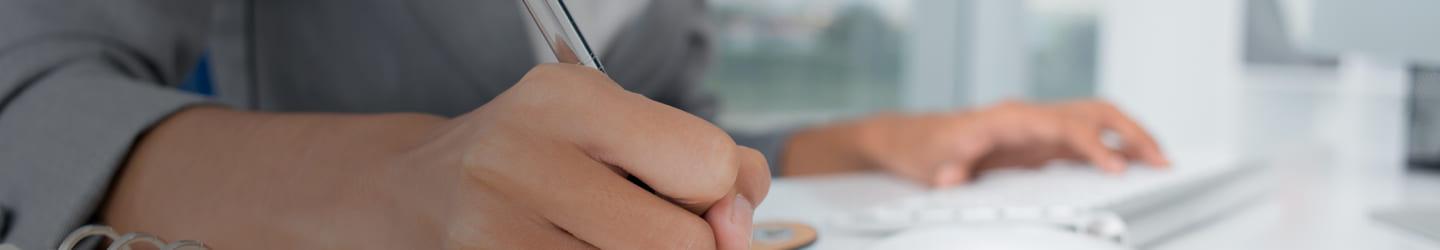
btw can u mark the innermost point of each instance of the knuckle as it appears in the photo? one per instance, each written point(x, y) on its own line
point(717, 143)
point(748, 154)
point(706, 161)
point(475, 166)
point(720, 167)
point(539, 75)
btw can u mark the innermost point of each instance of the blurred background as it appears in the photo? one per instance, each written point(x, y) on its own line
point(1176, 64)
point(798, 61)
point(1338, 95)
point(794, 61)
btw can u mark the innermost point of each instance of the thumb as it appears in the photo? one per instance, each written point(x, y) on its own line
point(731, 219)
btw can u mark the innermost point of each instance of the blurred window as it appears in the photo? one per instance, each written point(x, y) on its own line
point(1063, 48)
point(795, 61)
point(786, 62)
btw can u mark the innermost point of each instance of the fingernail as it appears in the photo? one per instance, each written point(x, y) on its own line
point(743, 214)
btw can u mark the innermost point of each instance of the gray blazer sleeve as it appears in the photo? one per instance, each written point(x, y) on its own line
point(666, 52)
point(80, 80)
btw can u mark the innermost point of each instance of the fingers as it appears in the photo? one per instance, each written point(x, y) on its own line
point(1137, 142)
point(492, 223)
point(1085, 141)
point(1024, 134)
point(754, 178)
point(583, 135)
point(685, 160)
point(682, 157)
point(594, 204)
point(732, 217)
point(731, 220)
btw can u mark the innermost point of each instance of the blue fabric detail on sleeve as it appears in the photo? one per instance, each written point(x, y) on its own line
point(198, 81)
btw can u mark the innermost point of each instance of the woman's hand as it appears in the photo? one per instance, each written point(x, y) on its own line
point(944, 149)
point(544, 165)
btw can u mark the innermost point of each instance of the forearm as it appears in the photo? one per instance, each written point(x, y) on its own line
point(235, 179)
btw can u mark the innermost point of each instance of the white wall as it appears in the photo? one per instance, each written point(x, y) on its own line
point(1175, 65)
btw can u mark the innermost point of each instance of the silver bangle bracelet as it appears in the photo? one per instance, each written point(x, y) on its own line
point(123, 242)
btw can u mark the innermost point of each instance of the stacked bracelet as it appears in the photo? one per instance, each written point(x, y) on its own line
point(118, 241)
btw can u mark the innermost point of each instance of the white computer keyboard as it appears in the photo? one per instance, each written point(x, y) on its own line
point(1070, 195)
point(1093, 222)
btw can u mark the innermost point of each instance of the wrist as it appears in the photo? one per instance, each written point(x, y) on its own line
point(834, 148)
point(413, 194)
point(384, 198)
point(235, 178)
point(875, 136)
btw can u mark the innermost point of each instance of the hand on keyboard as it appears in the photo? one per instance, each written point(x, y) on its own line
point(946, 149)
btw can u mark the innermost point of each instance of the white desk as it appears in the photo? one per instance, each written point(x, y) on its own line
point(1339, 157)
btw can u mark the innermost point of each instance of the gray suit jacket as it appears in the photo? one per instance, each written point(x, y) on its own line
point(80, 80)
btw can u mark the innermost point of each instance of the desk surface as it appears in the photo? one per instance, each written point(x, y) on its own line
point(1339, 155)
point(1321, 203)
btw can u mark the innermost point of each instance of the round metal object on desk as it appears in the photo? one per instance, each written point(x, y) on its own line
point(781, 236)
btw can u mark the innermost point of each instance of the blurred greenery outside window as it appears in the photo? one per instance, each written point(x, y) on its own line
point(788, 62)
point(1063, 50)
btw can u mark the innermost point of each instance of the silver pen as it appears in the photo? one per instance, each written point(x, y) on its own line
point(561, 33)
